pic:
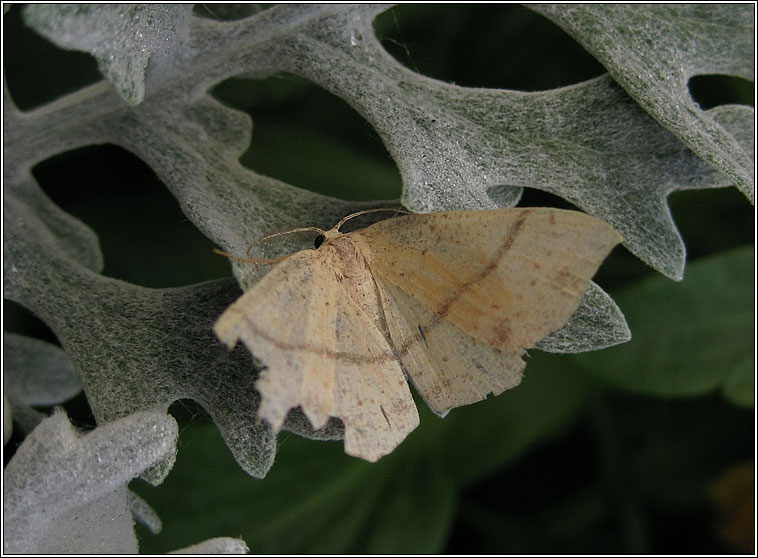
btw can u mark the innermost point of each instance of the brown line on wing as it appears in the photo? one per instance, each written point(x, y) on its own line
point(439, 314)
point(444, 309)
point(338, 355)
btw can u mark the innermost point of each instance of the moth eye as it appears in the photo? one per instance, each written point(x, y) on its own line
point(319, 241)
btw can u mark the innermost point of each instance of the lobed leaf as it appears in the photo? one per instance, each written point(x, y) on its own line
point(122, 37)
point(66, 493)
point(172, 354)
point(455, 147)
point(652, 50)
point(36, 372)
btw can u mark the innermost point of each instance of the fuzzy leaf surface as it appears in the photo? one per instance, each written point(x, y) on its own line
point(456, 147)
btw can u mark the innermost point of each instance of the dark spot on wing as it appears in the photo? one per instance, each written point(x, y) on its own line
point(381, 408)
point(423, 337)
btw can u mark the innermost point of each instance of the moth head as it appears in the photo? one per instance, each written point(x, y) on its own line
point(322, 237)
point(334, 232)
point(326, 236)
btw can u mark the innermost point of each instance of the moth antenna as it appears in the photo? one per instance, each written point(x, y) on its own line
point(273, 235)
point(363, 212)
point(253, 260)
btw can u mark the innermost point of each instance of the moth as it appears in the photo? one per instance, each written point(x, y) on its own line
point(448, 301)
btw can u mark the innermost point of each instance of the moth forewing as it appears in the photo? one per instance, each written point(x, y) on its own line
point(453, 298)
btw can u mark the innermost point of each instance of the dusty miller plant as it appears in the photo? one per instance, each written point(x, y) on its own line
point(615, 146)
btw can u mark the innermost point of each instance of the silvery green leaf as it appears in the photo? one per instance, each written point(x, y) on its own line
point(652, 50)
point(122, 37)
point(64, 492)
point(456, 147)
point(36, 372)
